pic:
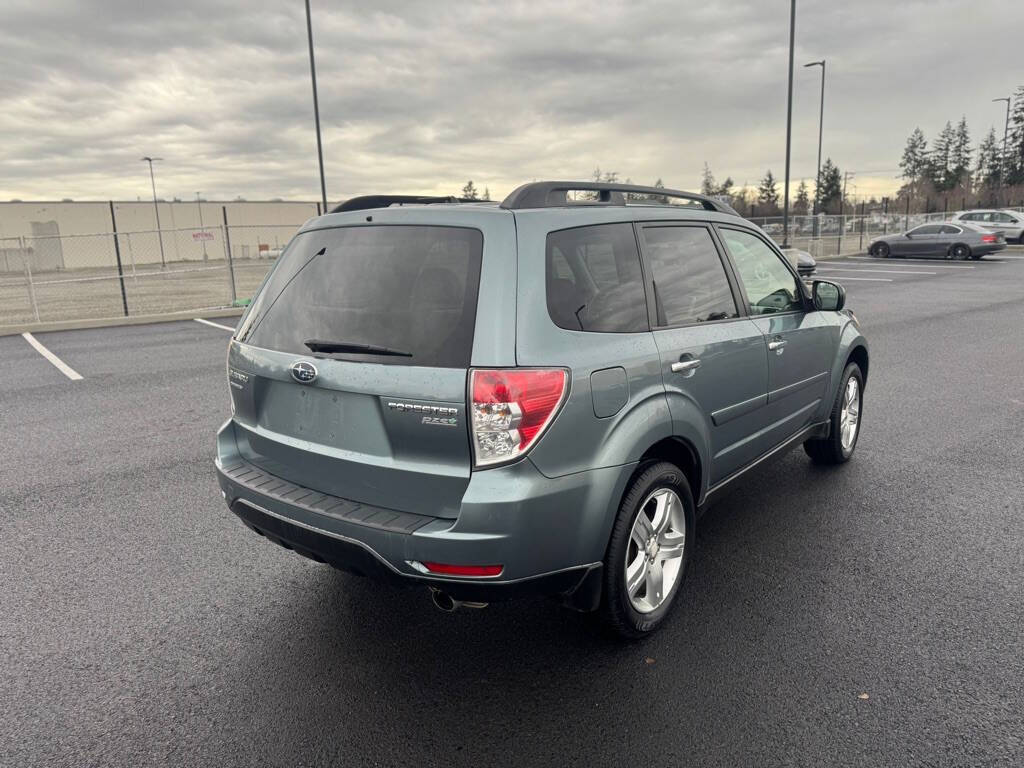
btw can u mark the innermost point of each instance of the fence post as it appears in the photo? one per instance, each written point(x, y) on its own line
point(117, 254)
point(227, 250)
point(861, 226)
point(945, 207)
point(906, 216)
point(28, 277)
point(885, 215)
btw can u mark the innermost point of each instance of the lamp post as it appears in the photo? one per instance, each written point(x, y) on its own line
point(789, 125)
point(316, 108)
point(156, 208)
point(821, 124)
point(1006, 130)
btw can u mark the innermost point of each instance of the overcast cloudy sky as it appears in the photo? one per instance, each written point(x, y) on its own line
point(420, 96)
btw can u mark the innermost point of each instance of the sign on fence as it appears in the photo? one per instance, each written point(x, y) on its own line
point(197, 236)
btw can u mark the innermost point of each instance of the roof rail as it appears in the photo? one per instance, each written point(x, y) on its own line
point(553, 194)
point(383, 201)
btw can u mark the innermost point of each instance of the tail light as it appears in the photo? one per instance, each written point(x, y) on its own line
point(988, 238)
point(511, 408)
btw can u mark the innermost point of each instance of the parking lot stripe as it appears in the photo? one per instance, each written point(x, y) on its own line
point(841, 278)
point(1001, 256)
point(883, 271)
point(214, 325)
point(928, 263)
point(59, 364)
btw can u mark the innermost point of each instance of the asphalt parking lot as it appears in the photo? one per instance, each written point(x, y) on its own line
point(870, 615)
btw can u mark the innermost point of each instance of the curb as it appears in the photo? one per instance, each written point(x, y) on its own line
point(113, 322)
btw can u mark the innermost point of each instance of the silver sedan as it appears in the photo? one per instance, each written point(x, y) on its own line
point(940, 240)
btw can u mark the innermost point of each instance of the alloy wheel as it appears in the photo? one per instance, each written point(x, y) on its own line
point(654, 557)
point(849, 416)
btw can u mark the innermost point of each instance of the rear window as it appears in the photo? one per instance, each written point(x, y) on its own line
point(408, 292)
point(594, 281)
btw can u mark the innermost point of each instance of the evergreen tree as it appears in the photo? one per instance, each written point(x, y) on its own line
point(831, 195)
point(469, 191)
point(986, 171)
point(802, 203)
point(487, 194)
point(939, 167)
point(1015, 140)
point(768, 192)
point(707, 181)
point(915, 157)
point(960, 156)
point(725, 190)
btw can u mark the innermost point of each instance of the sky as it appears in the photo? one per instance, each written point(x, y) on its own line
point(418, 97)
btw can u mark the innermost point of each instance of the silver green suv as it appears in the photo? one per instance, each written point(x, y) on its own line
point(536, 397)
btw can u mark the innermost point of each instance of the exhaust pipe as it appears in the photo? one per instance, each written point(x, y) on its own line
point(448, 604)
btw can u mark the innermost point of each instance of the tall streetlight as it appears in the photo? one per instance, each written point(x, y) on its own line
point(789, 124)
point(821, 124)
point(316, 108)
point(1006, 130)
point(202, 232)
point(156, 208)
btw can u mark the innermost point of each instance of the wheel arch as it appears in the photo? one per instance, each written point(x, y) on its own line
point(859, 355)
point(681, 452)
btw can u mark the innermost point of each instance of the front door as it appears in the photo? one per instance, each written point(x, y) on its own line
point(801, 342)
point(924, 241)
point(714, 360)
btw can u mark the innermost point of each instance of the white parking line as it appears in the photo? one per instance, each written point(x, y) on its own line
point(883, 271)
point(926, 262)
point(1001, 256)
point(843, 278)
point(59, 364)
point(213, 325)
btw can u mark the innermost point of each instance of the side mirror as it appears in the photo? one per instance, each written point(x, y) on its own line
point(828, 296)
point(908, 236)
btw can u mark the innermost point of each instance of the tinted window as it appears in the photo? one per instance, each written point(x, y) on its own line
point(927, 229)
point(769, 284)
point(594, 281)
point(948, 229)
point(689, 279)
point(412, 289)
point(1003, 218)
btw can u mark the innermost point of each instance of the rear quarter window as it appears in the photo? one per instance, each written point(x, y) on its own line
point(594, 281)
point(411, 289)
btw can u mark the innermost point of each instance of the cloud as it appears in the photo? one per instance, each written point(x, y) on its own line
point(419, 97)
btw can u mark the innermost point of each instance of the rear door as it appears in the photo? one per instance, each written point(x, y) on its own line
point(713, 358)
point(348, 373)
point(801, 342)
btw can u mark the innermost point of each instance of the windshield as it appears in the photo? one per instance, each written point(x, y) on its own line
point(367, 292)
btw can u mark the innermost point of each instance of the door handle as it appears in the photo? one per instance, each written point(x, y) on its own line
point(685, 365)
point(777, 344)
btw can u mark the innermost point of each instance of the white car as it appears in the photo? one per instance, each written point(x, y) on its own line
point(1010, 223)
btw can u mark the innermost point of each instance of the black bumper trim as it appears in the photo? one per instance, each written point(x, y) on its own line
point(250, 477)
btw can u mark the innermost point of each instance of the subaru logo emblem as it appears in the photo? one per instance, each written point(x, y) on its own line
point(304, 372)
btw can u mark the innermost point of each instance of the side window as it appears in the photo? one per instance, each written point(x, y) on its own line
point(594, 282)
point(770, 286)
point(949, 229)
point(926, 229)
point(690, 285)
point(1002, 218)
point(983, 217)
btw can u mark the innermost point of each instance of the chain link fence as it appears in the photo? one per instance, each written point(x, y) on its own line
point(58, 278)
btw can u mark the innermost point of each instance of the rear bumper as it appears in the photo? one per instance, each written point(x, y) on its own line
point(548, 534)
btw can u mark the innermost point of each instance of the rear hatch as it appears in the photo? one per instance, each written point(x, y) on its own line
point(348, 372)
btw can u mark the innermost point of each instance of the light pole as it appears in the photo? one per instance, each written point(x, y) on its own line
point(156, 209)
point(789, 124)
point(202, 232)
point(821, 126)
point(316, 108)
point(1006, 130)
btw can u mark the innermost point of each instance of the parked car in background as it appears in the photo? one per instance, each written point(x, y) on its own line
point(802, 260)
point(537, 397)
point(1010, 223)
point(959, 240)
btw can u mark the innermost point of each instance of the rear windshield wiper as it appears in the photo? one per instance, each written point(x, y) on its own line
point(329, 347)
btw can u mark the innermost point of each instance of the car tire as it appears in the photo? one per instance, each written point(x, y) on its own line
point(959, 251)
point(659, 488)
point(836, 448)
point(881, 251)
